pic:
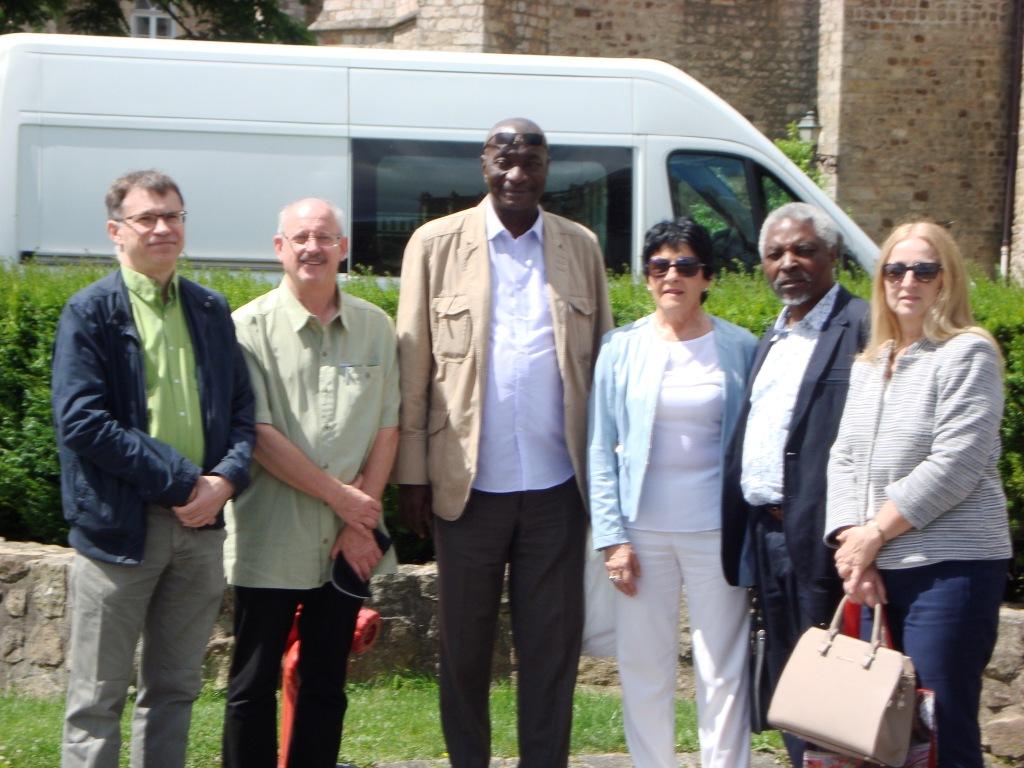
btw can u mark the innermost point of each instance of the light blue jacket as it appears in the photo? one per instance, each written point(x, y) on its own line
point(623, 403)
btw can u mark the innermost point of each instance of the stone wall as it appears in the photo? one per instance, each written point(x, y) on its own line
point(922, 111)
point(34, 634)
point(759, 55)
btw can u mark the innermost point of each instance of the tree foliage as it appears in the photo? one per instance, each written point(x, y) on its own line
point(253, 21)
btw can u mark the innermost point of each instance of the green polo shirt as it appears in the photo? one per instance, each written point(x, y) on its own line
point(172, 392)
point(327, 388)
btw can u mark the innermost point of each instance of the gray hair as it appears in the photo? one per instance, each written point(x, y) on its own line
point(339, 217)
point(824, 227)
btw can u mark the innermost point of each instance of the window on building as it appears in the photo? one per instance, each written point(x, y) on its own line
point(150, 20)
point(399, 185)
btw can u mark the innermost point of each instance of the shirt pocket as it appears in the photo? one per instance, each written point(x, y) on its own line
point(453, 327)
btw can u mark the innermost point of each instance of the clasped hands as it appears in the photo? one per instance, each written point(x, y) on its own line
point(361, 514)
point(208, 497)
point(855, 563)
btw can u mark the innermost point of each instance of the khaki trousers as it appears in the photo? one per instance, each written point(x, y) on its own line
point(171, 600)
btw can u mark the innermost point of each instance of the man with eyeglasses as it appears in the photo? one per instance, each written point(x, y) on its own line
point(773, 499)
point(154, 423)
point(324, 372)
point(500, 316)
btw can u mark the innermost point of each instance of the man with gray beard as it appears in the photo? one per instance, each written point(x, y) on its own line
point(773, 499)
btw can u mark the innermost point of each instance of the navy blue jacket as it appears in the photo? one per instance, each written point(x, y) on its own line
point(816, 413)
point(110, 467)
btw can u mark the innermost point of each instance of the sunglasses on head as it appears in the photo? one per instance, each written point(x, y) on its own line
point(659, 267)
point(508, 138)
point(924, 271)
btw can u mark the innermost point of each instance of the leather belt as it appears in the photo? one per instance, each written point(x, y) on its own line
point(772, 510)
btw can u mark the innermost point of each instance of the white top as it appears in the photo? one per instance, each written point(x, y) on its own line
point(773, 397)
point(522, 431)
point(682, 488)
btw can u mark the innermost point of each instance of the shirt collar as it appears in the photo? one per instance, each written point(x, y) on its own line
point(147, 289)
point(495, 227)
point(813, 320)
point(298, 316)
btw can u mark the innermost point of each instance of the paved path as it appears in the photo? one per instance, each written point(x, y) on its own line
point(686, 760)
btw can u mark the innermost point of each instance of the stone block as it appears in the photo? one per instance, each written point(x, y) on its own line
point(1004, 735)
point(1008, 656)
point(12, 642)
point(996, 695)
point(45, 647)
point(14, 602)
point(13, 569)
point(50, 591)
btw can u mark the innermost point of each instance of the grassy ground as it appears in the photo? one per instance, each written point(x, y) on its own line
point(391, 719)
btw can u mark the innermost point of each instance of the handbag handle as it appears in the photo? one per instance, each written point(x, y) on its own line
point(876, 632)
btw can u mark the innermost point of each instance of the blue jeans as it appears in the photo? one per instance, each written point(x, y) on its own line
point(945, 616)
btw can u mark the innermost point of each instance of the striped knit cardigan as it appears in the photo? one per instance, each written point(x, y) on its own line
point(930, 443)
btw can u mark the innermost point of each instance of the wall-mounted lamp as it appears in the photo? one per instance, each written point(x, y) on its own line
point(809, 129)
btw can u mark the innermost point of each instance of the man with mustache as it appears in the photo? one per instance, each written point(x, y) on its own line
point(154, 422)
point(773, 500)
point(324, 373)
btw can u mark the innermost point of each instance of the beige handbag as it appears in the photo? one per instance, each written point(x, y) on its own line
point(847, 695)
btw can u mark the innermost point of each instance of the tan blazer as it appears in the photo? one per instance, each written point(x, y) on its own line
point(444, 312)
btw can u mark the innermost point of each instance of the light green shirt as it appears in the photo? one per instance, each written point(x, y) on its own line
point(327, 388)
point(172, 392)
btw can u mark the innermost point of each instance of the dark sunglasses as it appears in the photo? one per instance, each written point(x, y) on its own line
point(507, 138)
point(924, 271)
point(659, 267)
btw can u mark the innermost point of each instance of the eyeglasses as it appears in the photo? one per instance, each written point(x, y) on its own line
point(659, 267)
point(147, 221)
point(924, 271)
point(305, 239)
point(508, 138)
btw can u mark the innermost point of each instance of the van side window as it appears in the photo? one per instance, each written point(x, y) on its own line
point(714, 191)
point(775, 194)
point(397, 185)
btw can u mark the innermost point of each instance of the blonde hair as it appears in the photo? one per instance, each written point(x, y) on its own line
point(949, 316)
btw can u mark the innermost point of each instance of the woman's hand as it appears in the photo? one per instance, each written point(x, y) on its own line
point(623, 567)
point(869, 589)
point(858, 547)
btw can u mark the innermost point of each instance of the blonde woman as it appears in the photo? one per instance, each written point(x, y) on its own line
point(915, 502)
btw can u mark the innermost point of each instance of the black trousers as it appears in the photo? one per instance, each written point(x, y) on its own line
point(790, 605)
point(540, 536)
point(263, 619)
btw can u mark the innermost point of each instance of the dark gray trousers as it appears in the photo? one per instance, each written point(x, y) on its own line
point(540, 536)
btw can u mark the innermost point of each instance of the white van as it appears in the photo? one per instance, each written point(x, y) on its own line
point(393, 137)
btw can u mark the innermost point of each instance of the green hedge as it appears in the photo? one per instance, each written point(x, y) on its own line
point(31, 299)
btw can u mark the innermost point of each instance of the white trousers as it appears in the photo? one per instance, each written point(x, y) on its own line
point(648, 650)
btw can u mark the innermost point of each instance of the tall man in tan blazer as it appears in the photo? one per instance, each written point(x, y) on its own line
point(501, 312)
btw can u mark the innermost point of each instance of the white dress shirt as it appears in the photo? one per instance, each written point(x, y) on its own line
point(773, 397)
point(522, 432)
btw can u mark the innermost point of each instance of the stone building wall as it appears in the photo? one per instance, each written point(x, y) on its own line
point(830, 84)
point(444, 25)
point(1017, 249)
point(922, 110)
point(759, 55)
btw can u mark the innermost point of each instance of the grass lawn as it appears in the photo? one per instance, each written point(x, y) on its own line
point(394, 718)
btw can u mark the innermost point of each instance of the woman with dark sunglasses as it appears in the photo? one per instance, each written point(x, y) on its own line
point(915, 502)
point(667, 393)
